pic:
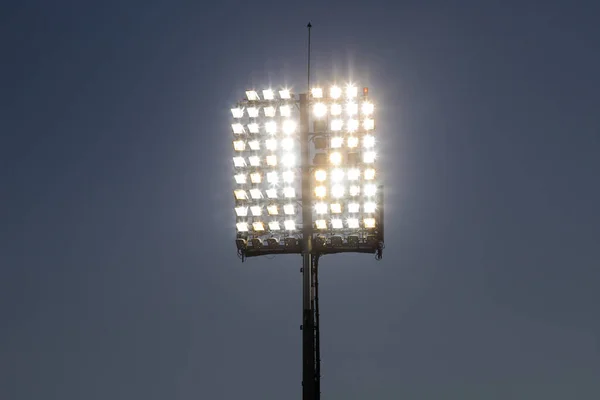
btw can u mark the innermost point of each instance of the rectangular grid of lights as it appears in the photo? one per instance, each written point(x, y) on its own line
point(345, 187)
point(266, 156)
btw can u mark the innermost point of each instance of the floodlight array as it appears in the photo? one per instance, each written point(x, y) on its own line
point(346, 198)
point(267, 180)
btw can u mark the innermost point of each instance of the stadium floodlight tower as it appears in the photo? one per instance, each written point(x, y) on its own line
point(306, 182)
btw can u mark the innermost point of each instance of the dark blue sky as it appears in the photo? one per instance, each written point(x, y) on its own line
point(118, 272)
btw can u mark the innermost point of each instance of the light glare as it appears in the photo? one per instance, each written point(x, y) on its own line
point(319, 110)
point(252, 95)
point(369, 124)
point(351, 108)
point(336, 109)
point(369, 141)
point(352, 141)
point(370, 207)
point(289, 127)
point(367, 108)
point(354, 190)
point(336, 223)
point(369, 157)
point(287, 144)
point(336, 142)
point(321, 208)
point(288, 176)
point(320, 191)
point(285, 111)
point(351, 91)
point(316, 92)
point(336, 125)
point(353, 174)
point(289, 160)
point(271, 144)
point(369, 174)
point(337, 191)
point(335, 92)
point(337, 175)
point(271, 127)
point(335, 158)
point(370, 190)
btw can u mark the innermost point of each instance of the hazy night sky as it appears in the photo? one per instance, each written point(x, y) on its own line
point(118, 271)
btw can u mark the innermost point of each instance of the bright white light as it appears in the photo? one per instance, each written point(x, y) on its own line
point(337, 174)
point(240, 179)
point(268, 94)
point(271, 193)
point(271, 144)
point(272, 177)
point(337, 142)
point(351, 108)
point(256, 210)
point(316, 92)
point(320, 175)
point(289, 160)
point(242, 226)
point(271, 127)
point(335, 92)
point(351, 91)
point(352, 223)
point(254, 161)
point(352, 125)
point(274, 226)
point(240, 194)
point(239, 145)
point(237, 112)
point(256, 194)
point(269, 111)
point(369, 141)
point(321, 208)
point(321, 224)
point(336, 109)
point(288, 176)
point(287, 144)
point(370, 207)
point(288, 209)
point(255, 177)
point(320, 191)
point(319, 110)
point(252, 95)
point(253, 112)
point(241, 211)
point(353, 174)
point(285, 111)
point(369, 157)
point(285, 94)
point(335, 158)
point(353, 207)
point(254, 145)
point(352, 141)
point(258, 226)
point(369, 223)
point(253, 127)
point(272, 160)
point(238, 129)
point(337, 191)
point(272, 209)
point(336, 125)
point(239, 162)
point(369, 124)
point(289, 192)
point(370, 190)
point(337, 223)
point(354, 190)
point(289, 126)
point(336, 208)
point(369, 174)
point(367, 108)
point(289, 225)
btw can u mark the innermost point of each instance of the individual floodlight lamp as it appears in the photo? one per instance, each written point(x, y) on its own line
point(370, 190)
point(320, 191)
point(268, 94)
point(353, 208)
point(319, 110)
point(237, 112)
point(287, 144)
point(353, 223)
point(269, 111)
point(369, 124)
point(241, 211)
point(240, 194)
point(336, 125)
point(352, 141)
point(337, 191)
point(351, 108)
point(335, 158)
point(316, 93)
point(285, 94)
point(367, 108)
point(351, 91)
point(353, 174)
point(272, 209)
point(289, 192)
point(288, 176)
point(258, 226)
point(335, 92)
point(369, 223)
point(239, 145)
point(242, 226)
point(271, 193)
point(252, 112)
point(274, 226)
point(337, 142)
point(253, 127)
point(370, 207)
point(290, 225)
point(369, 174)
point(337, 174)
point(354, 190)
point(255, 177)
point(252, 95)
point(240, 179)
point(256, 194)
point(368, 141)
point(256, 211)
point(321, 224)
point(369, 157)
point(239, 162)
point(336, 109)
point(289, 160)
point(271, 144)
point(237, 128)
point(289, 209)
point(336, 223)
point(254, 161)
point(254, 145)
point(321, 208)
point(272, 177)
point(271, 127)
point(272, 160)
point(336, 208)
point(320, 175)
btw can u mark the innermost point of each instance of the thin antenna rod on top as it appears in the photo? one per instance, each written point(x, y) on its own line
point(309, 26)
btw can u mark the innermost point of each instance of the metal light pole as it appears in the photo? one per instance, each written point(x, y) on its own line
point(345, 148)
